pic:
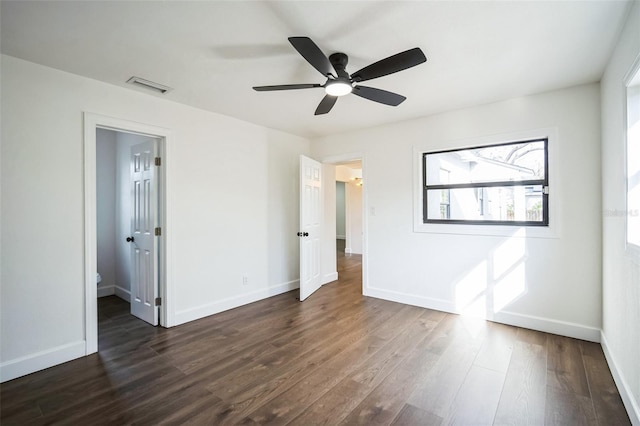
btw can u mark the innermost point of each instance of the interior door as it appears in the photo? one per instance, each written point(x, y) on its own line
point(311, 208)
point(144, 262)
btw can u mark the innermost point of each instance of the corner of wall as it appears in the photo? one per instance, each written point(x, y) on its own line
point(633, 410)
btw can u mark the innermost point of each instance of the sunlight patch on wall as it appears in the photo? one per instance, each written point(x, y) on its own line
point(509, 288)
point(509, 271)
point(471, 291)
point(495, 282)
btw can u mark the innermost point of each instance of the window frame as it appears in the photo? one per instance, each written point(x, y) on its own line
point(473, 185)
point(632, 250)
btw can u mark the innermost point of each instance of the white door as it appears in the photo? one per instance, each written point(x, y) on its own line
point(310, 225)
point(144, 262)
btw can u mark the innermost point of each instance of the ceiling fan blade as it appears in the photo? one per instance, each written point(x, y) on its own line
point(326, 104)
point(401, 61)
point(285, 87)
point(378, 95)
point(312, 53)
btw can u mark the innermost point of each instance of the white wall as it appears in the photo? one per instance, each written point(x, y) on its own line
point(106, 145)
point(340, 211)
point(225, 223)
point(346, 174)
point(353, 243)
point(621, 273)
point(552, 284)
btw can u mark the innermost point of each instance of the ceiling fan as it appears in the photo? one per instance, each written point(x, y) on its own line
point(340, 83)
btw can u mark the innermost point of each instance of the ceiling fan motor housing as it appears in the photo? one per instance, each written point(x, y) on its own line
point(339, 62)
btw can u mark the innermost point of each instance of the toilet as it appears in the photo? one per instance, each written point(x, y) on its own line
point(98, 278)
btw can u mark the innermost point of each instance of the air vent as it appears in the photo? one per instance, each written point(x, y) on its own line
point(149, 85)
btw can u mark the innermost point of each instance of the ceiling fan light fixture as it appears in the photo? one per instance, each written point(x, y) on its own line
point(338, 88)
point(339, 82)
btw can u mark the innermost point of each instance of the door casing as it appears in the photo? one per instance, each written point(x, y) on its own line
point(92, 122)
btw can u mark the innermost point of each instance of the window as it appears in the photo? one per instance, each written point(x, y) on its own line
point(504, 184)
point(445, 196)
point(633, 159)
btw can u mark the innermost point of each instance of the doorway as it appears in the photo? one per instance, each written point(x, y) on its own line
point(345, 243)
point(319, 247)
point(349, 216)
point(113, 272)
point(127, 199)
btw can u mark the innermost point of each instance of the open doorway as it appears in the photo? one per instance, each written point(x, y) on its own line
point(125, 214)
point(349, 217)
point(127, 188)
point(344, 223)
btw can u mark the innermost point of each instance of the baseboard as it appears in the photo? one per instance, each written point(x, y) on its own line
point(410, 299)
point(350, 251)
point(328, 278)
point(122, 293)
point(546, 325)
point(40, 360)
point(562, 328)
point(106, 291)
point(631, 405)
point(202, 311)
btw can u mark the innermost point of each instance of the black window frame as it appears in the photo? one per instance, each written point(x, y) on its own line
point(523, 183)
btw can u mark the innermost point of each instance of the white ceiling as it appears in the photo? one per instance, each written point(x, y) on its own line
point(213, 52)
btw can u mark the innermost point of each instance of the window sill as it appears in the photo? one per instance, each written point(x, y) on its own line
point(487, 230)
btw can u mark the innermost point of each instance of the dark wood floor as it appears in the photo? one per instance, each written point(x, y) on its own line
point(337, 358)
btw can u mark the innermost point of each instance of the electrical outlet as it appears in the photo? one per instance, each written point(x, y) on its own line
point(245, 280)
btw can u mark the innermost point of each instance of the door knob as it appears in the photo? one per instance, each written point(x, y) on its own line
point(129, 239)
point(303, 234)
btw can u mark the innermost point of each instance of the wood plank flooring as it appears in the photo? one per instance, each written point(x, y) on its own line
point(337, 358)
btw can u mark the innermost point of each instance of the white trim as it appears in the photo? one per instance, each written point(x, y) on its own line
point(631, 250)
point(341, 237)
point(91, 123)
point(40, 360)
point(552, 231)
point(122, 293)
point(631, 73)
point(631, 405)
point(90, 235)
point(547, 325)
point(329, 278)
point(115, 290)
point(106, 290)
point(409, 299)
point(202, 311)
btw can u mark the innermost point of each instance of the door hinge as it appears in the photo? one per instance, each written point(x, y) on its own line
point(158, 231)
point(158, 301)
point(545, 190)
point(158, 161)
